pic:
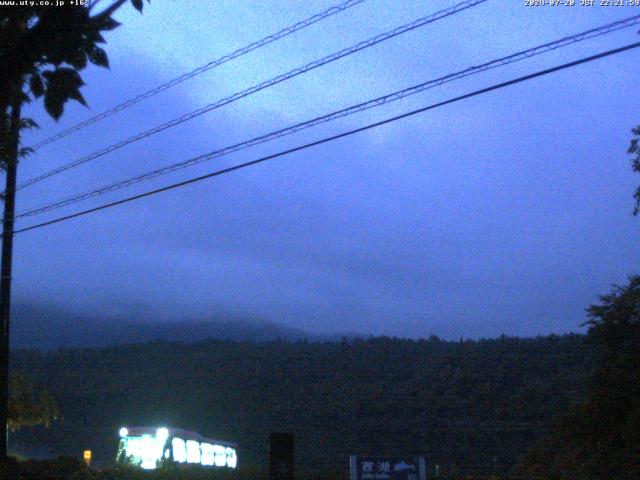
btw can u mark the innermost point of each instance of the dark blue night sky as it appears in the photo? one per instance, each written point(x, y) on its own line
point(507, 213)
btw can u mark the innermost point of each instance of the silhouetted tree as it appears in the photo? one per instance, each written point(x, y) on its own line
point(454, 403)
point(29, 404)
point(600, 437)
point(634, 149)
point(42, 50)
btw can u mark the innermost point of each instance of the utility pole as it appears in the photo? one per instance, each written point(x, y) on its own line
point(11, 164)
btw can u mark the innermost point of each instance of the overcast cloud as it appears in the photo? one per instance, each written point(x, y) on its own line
point(507, 213)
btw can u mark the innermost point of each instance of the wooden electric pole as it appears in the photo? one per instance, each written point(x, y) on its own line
point(12, 146)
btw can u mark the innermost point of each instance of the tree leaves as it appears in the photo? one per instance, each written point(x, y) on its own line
point(137, 4)
point(78, 59)
point(29, 404)
point(64, 39)
point(28, 124)
point(598, 437)
point(109, 24)
point(98, 56)
point(447, 398)
point(634, 149)
point(36, 85)
point(62, 84)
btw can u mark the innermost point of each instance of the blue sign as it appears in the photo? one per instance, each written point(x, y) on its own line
point(369, 468)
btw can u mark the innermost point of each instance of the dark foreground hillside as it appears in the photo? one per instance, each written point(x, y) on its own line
point(467, 406)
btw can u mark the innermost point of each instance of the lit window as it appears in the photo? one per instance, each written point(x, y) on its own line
point(193, 451)
point(220, 455)
point(147, 449)
point(179, 450)
point(207, 454)
point(232, 459)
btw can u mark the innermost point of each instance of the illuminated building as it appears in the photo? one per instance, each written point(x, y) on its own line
point(151, 448)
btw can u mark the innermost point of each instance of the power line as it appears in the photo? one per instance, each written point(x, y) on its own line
point(256, 88)
point(204, 68)
point(563, 42)
point(336, 137)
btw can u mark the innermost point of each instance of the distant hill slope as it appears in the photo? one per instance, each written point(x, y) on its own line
point(461, 404)
point(48, 328)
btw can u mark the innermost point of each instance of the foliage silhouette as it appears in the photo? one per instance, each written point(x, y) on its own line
point(44, 49)
point(458, 403)
point(599, 438)
point(29, 404)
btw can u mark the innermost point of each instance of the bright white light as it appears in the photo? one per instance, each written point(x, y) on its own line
point(220, 455)
point(179, 450)
point(207, 454)
point(232, 458)
point(193, 451)
point(146, 450)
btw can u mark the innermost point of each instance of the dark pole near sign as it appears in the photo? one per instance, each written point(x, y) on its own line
point(281, 456)
point(11, 165)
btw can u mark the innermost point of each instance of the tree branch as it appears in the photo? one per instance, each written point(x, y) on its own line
point(110, 10)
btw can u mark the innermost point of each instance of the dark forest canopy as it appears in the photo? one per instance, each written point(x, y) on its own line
point(599, 437)
point(468, 405)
